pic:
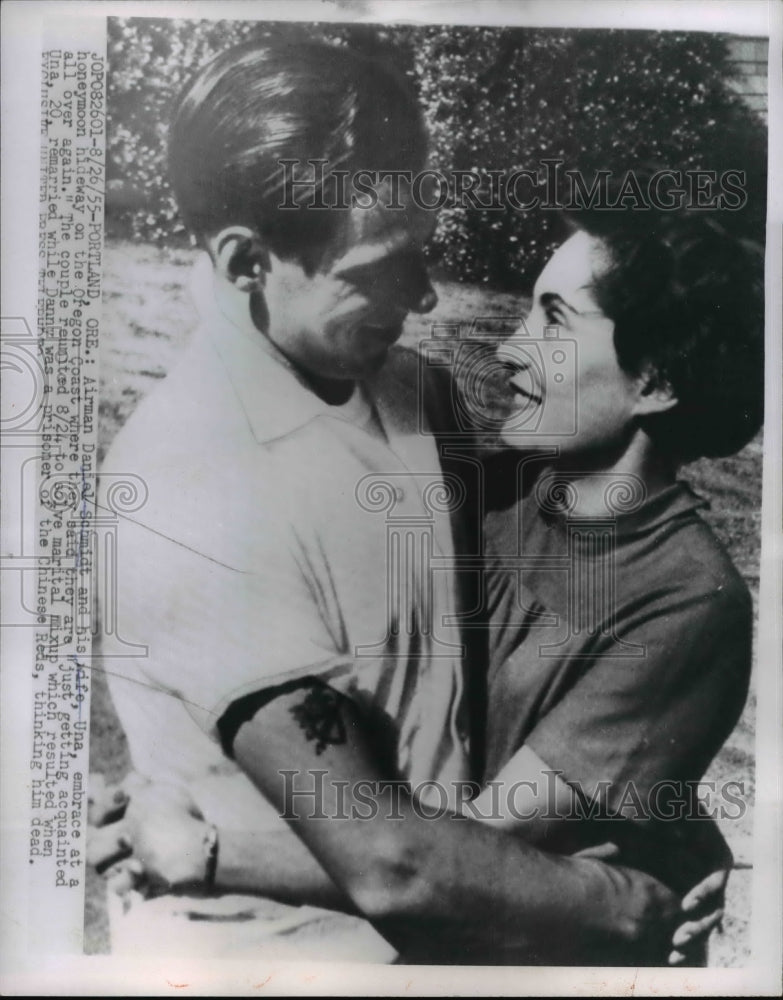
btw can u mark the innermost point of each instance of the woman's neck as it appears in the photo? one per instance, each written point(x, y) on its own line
point(641, 471)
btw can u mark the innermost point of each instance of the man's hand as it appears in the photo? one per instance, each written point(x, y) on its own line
point(147, 836)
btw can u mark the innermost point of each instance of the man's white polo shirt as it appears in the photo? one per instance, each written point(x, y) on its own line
point(282, 538)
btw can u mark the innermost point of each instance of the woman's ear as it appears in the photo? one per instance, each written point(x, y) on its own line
point(654, 393)
point(240, 258)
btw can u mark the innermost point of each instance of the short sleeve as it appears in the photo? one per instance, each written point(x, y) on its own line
point(217, 628)
point(632, 723)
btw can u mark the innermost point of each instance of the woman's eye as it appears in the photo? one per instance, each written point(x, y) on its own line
point(556, 317)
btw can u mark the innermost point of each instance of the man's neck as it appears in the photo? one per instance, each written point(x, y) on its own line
point(251, 317)
point(334, 392)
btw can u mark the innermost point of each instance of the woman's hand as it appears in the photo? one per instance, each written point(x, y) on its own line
point(149, 837)
point(701, 908)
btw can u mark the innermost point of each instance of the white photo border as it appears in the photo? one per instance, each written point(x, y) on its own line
point(28, 970)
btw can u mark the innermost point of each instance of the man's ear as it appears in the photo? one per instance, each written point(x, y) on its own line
point(240, 258)
point(654, 394)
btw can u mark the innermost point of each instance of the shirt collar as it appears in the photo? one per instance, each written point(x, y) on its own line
point(674, 501)
point(677, 500)
point(273, 397)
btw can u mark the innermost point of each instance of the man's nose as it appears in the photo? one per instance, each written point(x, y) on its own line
point(407, 280)
point(427, 301)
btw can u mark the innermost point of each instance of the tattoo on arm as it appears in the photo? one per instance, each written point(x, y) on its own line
point(320, 717)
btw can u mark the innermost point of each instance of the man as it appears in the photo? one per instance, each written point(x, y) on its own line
point(281, 617)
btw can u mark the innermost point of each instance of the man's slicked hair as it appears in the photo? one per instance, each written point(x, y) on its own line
point(257, 104)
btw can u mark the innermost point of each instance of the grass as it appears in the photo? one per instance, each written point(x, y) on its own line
point(147, 321)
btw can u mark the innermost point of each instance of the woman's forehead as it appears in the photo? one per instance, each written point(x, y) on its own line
point(571, 271)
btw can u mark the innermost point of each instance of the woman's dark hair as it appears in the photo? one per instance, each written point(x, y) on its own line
point(686, 295)
point(255, 105)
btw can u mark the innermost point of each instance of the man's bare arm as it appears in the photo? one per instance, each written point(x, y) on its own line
point(160, 834)
point(278, 865)
point(441, 889)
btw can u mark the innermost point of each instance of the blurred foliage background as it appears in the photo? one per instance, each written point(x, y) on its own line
point(494, 99)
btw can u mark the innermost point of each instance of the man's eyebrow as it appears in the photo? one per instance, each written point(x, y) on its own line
point(375, 256)
point(372, 253)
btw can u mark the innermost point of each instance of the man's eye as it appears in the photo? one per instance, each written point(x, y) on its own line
point(402, 275)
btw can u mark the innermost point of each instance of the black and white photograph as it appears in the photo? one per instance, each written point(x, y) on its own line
point(402, 409)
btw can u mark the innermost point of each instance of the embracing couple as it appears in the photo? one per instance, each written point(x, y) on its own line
point(444, 668)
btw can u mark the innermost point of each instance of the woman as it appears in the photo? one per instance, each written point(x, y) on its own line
point(621, 631)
